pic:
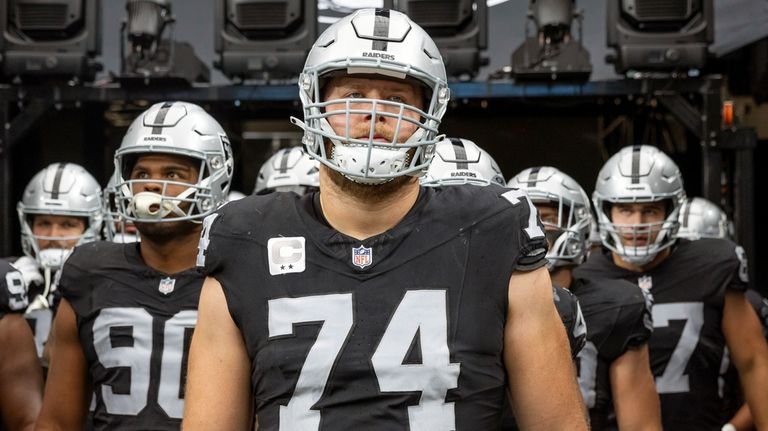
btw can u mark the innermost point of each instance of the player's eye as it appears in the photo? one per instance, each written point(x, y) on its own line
point(140, 175)
point(398, 99)
point(42, 224)
point(354, 95)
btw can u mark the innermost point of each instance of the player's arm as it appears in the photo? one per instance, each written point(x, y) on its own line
point(218, 383)
point(634, 393)
point(67, 389)
point(21, 378)
point(742, 419)
point(542, 379)
point(749, 353)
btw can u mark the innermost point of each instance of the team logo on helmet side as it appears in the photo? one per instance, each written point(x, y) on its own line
point(362, 256)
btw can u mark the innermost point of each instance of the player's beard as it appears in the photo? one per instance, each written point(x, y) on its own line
point(163, 232)
point(369, 192)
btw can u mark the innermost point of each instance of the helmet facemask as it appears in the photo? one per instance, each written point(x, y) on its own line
point(623, 239)
point(152, 207)
point(568, 236)
point(373, 44)
point(365, 159)
point(53, 257)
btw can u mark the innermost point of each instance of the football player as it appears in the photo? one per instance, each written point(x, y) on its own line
point(460, 161)
point(698, 290)
point(700, 218)
point(377, 304)
point(60, 208)
point(288, 170)
point(614, 374)
point(128, 310)
point(21, 378)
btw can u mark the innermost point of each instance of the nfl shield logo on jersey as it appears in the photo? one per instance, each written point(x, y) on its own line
point(166, 285)
point(362, 256)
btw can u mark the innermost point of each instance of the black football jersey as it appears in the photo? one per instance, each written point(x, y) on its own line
point(13, 292)
point(403, 330)
point(135, 325)
point(618, 318)
point(687, 344)
point(570, 312)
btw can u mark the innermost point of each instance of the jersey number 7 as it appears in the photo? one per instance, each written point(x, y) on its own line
point(674, 379)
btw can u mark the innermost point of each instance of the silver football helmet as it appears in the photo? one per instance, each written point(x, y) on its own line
point(387, 45)
point(638, 174)
point(182, 129)
point(461, 161)
point(61, 189)
point(700, 218)
point(569, 237)
point(288, 170)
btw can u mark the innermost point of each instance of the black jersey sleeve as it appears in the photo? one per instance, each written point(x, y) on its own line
point(740, 278)
point(568, 308)
point(72, 279)
point(530, 236)
point(634, 324)
point(13, 291)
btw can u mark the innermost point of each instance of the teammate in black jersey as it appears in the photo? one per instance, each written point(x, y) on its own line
point(698, 289)
point(460, 161)
point(21, 378)
point(376, 304)
point(124, 324)
point(700, 218)
point(614, 374)
point(61, 208)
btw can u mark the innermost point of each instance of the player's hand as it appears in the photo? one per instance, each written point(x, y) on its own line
point(29, 270)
